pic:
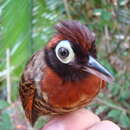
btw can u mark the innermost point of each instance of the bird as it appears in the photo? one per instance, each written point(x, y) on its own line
point(63, 76)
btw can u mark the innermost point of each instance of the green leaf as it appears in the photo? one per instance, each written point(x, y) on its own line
point(3, 104)
point(44, 17)
point(114, 90)
point(14, 92)
point(106, 16)
point(124, 94)
point(5, 123)
point(97, 12)
point(101, 109)
point(114, 114)
point(17, 31)
point(124, 120)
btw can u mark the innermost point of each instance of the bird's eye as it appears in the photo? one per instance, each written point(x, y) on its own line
point(64, 51)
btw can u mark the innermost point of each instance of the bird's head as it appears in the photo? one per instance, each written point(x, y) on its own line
point(72, 53)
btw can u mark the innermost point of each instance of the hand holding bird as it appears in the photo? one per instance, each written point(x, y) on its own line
point(82, 119)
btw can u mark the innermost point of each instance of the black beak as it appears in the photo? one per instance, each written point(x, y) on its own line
point(95, 68)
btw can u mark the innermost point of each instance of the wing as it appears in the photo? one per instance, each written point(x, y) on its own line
point(27, 92)
point(30, 84)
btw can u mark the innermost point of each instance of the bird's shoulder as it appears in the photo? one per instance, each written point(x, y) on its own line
point(35, 66)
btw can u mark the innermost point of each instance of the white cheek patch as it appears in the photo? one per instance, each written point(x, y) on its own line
point(65, 44)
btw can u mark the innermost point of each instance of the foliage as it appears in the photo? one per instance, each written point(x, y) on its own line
point(26, 26)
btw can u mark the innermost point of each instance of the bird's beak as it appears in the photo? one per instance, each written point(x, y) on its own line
point(95, 68)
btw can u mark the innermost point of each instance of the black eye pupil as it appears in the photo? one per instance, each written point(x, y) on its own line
point(63, 52)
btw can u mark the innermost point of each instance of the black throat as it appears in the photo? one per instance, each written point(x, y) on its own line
point(65, 71)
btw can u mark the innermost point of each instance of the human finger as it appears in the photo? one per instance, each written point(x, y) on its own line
point(104, 125)
point(77, 120)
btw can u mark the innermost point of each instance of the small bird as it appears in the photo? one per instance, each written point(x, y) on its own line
point(65, 75)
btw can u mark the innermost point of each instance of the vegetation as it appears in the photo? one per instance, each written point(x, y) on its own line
point(27, 25)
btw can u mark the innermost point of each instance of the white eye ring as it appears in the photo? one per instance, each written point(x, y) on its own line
point(65, 44)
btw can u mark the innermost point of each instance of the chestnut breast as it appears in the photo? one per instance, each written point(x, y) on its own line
point(62, 94)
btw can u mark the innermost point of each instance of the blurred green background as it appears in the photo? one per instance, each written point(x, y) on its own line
point(27, 25)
